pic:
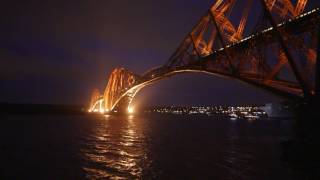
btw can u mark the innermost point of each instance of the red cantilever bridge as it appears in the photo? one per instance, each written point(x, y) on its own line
point(278, 53)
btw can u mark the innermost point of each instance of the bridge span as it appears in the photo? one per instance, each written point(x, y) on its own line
point(279, 54)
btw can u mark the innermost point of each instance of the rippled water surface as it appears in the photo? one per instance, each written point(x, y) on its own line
point(140, 147)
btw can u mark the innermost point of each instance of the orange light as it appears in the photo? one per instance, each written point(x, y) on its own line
point(130, 110)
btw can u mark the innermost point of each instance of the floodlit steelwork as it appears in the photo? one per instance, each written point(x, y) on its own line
point(278, 54)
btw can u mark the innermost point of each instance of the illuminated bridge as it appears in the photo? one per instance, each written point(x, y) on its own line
point(271, 44)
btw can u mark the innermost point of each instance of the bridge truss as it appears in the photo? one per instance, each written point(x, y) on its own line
point(271, 44)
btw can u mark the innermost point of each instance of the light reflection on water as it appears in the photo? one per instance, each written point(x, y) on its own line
point(130, 147)
point(141, 147)
point(119, 149)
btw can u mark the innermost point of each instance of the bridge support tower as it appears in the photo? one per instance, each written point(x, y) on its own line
point(303, 150)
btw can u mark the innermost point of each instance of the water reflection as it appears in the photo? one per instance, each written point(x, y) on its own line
point(131, 147)
point(237, 158)
point(116, 152)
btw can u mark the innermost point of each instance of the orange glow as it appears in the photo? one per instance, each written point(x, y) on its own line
point(216, 25)
point(130, 110)
point(119, 80)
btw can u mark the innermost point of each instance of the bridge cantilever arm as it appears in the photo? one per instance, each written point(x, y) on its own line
point(317, 79)
point(172, 58)
point(233, 69)
point(293, 65)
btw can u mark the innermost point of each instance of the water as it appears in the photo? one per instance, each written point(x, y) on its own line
point(141, 147)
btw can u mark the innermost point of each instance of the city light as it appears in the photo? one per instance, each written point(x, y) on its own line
point(232, 112)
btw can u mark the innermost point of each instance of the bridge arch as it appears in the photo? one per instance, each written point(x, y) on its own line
point(127, 98)
point(284, 41)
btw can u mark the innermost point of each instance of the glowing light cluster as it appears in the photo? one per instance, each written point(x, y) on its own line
point(130, 110)
point(119, 81)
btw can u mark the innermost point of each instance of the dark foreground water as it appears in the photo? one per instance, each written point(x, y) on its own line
point(141, 147)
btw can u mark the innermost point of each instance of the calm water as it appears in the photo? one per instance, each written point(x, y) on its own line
point(141, 147)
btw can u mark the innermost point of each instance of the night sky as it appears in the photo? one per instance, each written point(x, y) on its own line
point(58, 51)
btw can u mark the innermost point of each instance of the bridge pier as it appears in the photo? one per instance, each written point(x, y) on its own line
point(307, 122)
point(303, 150)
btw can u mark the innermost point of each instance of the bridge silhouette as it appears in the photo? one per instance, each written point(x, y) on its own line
point(279, 54)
